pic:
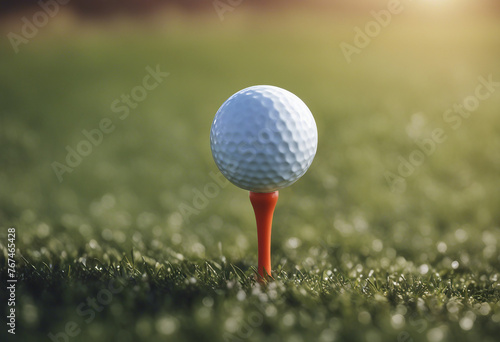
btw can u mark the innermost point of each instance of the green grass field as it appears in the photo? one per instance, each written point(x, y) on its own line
point(106, 255)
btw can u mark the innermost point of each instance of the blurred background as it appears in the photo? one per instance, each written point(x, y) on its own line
point(97, 162)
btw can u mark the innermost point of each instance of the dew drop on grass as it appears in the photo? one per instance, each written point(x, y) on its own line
point(452, 307)
point(489, 238)
point(364, 317)
point(107, 234)
point(241, 295)
point(327, 335)
point(423, 269)
point(293, 243)
point(208, 301)
point(175, 220)
point(401, 309)
point(203, 315)
point(484, 309)
point(271, 311)
point(373, 336)
point(30, 314)
point(119, 237)
point(466, 323)
point(157, 231)
point(435, 335)
point(166, 325)
point(441, 247)
point(43, 230)
point(137, 237)
point(93, 244)
point(288, 319)
point(377, 245)
point(461, 235)
point(397, 321)
point(489, 251)
point(231, 324)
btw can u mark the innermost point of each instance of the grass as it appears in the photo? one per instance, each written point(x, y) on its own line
point(353, 261)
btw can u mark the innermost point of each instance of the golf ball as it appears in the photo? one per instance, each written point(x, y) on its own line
point(263, 138)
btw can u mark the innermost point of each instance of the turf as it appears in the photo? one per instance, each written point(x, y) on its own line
point(355, 259)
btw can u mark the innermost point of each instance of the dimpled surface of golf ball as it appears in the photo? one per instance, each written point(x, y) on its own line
point(263, 138)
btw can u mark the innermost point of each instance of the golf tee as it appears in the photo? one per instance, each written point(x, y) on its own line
point(263, 204)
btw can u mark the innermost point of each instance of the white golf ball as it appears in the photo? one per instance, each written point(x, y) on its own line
point(263, 138)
